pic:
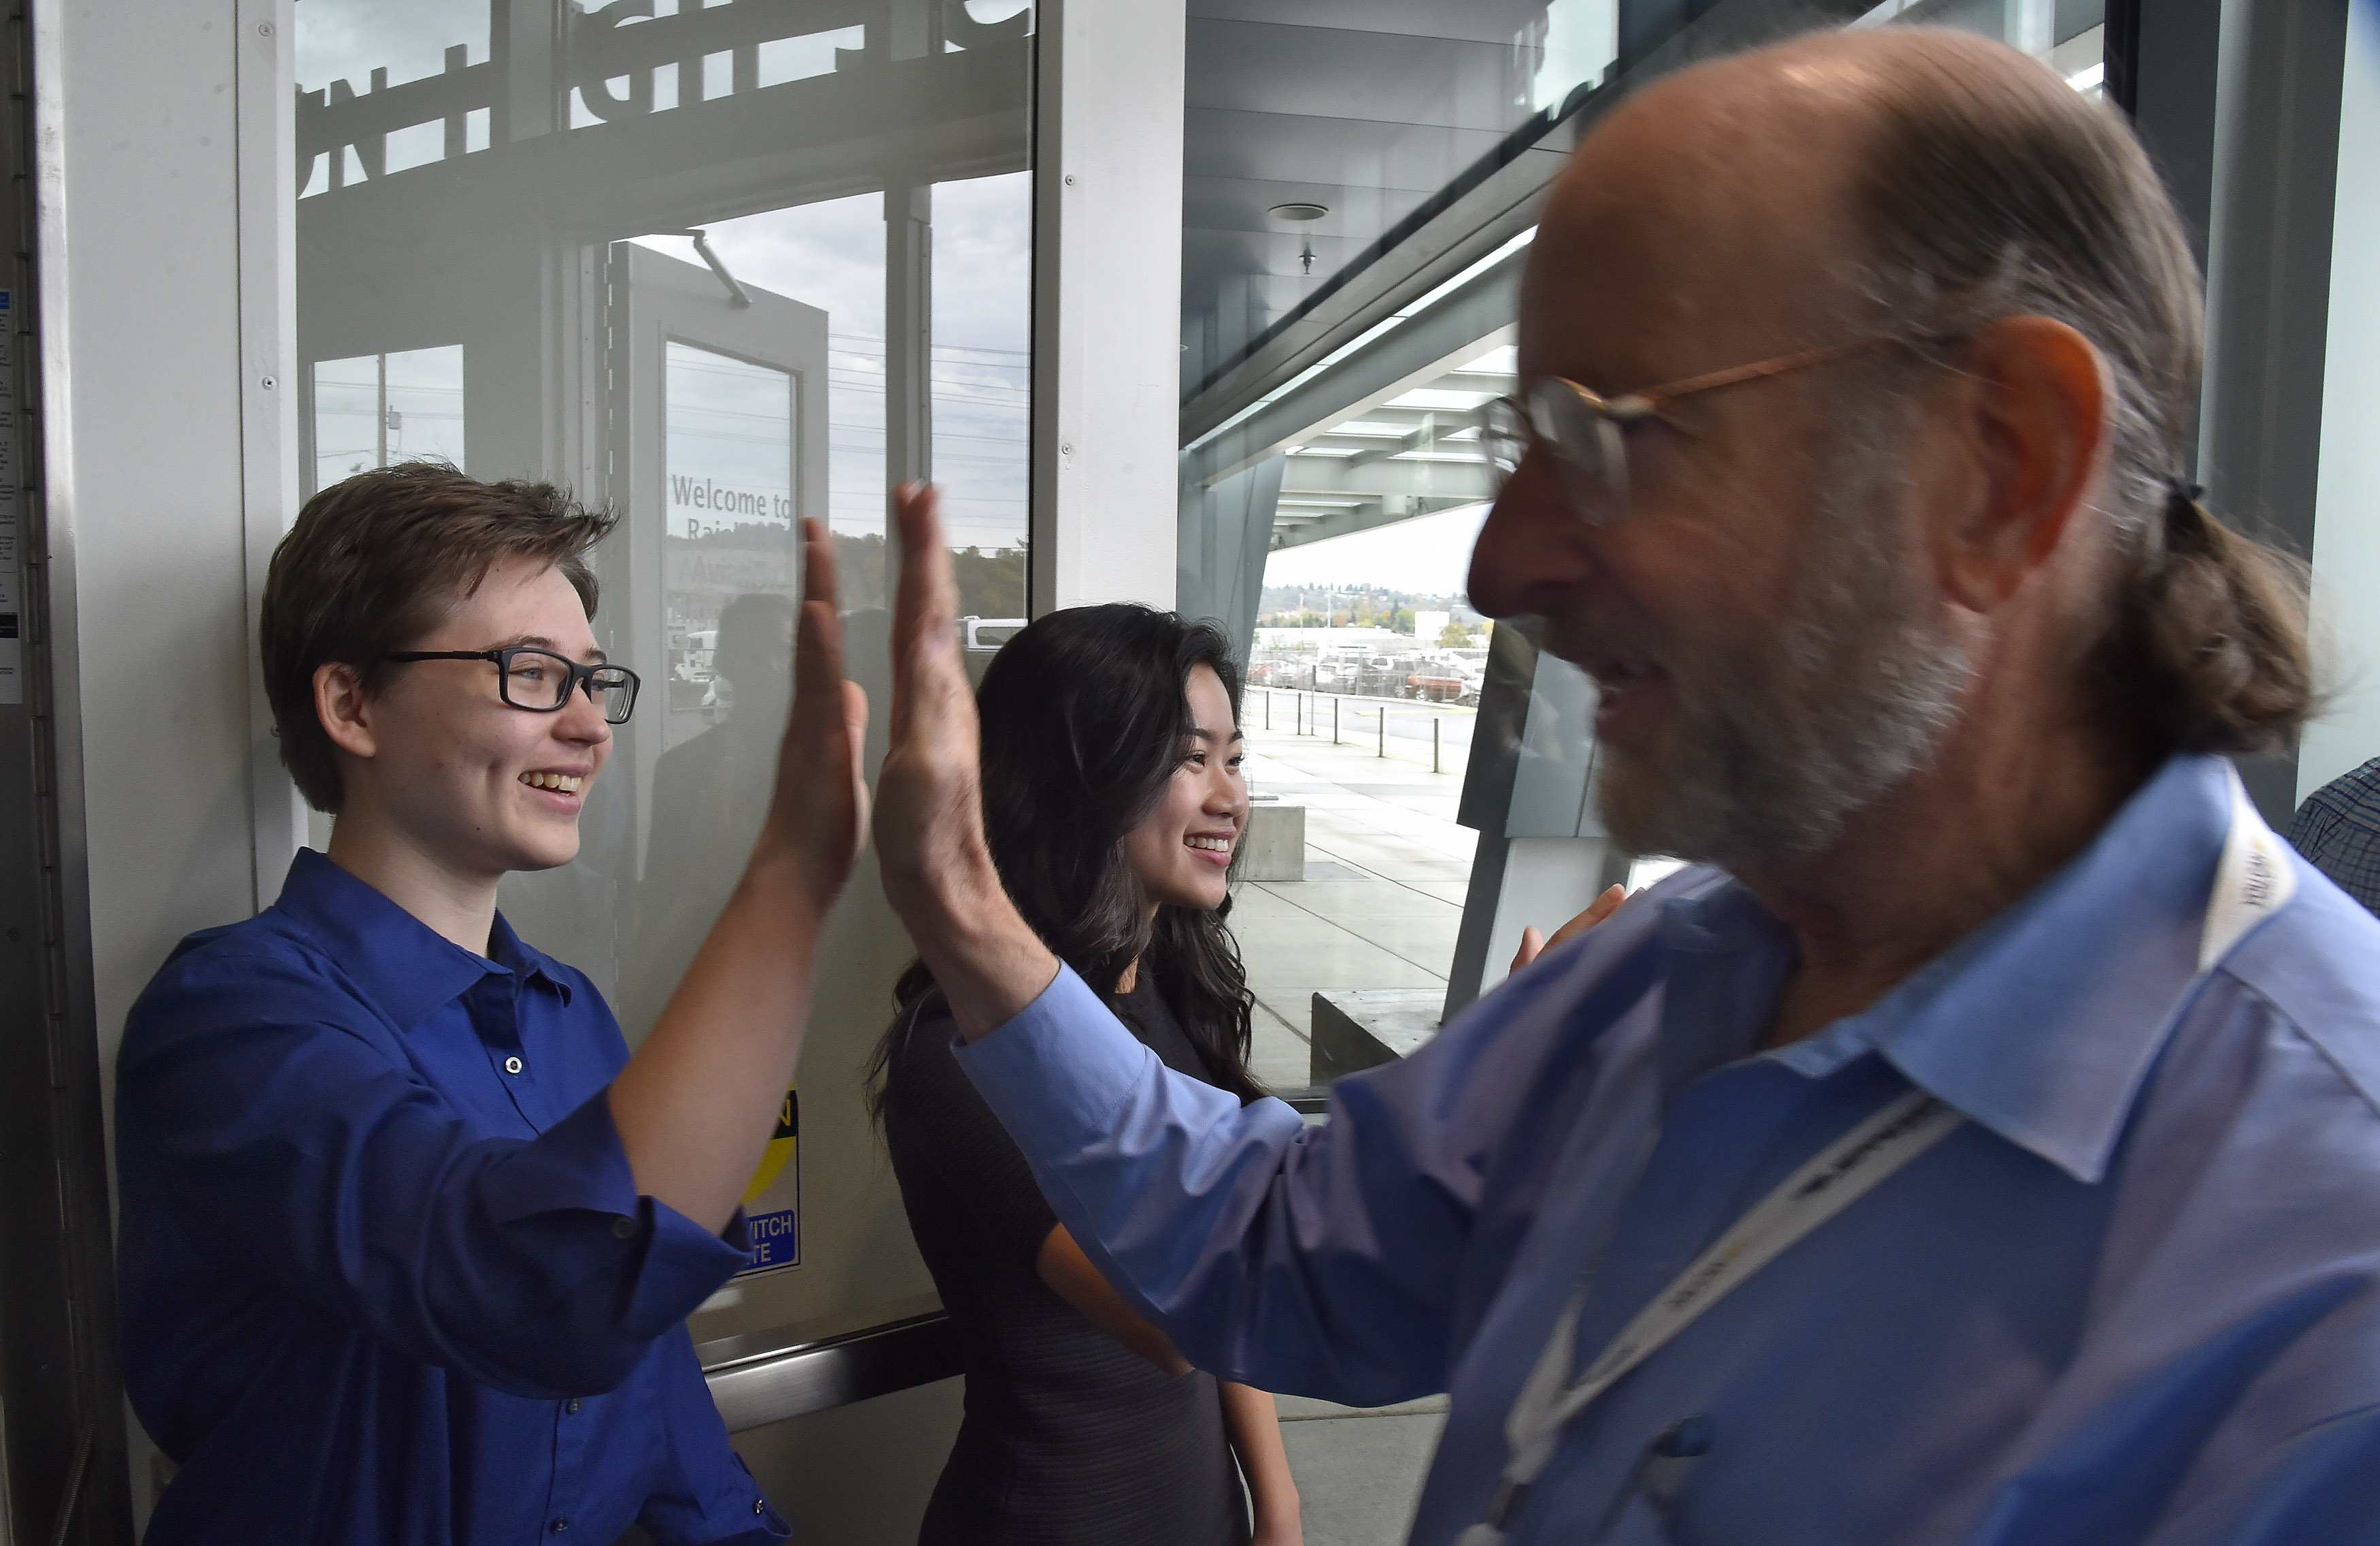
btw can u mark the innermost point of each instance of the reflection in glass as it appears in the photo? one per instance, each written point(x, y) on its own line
point(381, 408)
point(495, 266)
point(350, 48)
point(981, 375)
point(830, 255)
point(729, 490)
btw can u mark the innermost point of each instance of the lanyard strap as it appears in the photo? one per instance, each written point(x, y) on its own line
point(1837, 1177)
point(2253, 879)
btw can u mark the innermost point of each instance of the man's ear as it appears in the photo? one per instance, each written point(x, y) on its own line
point(346, 712)
point(2036, 415)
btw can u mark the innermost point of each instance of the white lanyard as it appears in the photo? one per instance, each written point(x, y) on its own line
point(2253, 879)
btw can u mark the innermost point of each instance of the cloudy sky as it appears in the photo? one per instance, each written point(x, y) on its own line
point(832, 255)
point(829, 255)
point(1428, 555)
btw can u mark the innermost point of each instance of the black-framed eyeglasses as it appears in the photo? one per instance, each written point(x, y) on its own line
point(1581, 430)
point(540, 681)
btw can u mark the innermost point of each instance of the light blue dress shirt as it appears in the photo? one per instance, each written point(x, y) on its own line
point(2136, 1297)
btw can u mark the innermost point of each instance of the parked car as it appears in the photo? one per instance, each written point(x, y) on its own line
point(1435, 683)
point(1380, 677)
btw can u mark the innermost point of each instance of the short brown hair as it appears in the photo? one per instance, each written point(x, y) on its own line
point(373, 563)
point(1982, 196)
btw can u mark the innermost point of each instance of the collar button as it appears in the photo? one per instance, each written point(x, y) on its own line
point(513, 1064)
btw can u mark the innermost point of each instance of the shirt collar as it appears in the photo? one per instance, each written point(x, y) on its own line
point(2042, 1024)
point(403, 966)
point(526, 961)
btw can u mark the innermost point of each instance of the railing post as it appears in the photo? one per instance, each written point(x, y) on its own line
point(1434, 723)
point(1384, 729)
point(1334, 719)
point(1268, 708)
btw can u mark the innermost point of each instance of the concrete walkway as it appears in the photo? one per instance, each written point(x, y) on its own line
point(1385, 870)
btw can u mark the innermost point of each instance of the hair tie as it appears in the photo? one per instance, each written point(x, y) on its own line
point(2184, 525)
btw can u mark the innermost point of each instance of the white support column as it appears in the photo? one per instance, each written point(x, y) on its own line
point(146, 390)
point(153, 349)
point(266, 72)
point(2347, 495)
point(1107, 303)
point(2031, 25)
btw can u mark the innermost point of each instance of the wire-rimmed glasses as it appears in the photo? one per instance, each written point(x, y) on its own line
point(540, 681)
point(1581, 430)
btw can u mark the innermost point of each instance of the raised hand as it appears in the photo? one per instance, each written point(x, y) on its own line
point(698, 1102)
point(930, 801)
point(937, 868)
point(817, 812)
point(1532, 942)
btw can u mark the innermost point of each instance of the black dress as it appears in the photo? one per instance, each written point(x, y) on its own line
point(1070, 1439)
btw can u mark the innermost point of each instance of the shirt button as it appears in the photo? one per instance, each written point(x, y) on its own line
point(573, 1407)
point(624, 1227)
point(562, 1527)
point(759, 1505)
point(512, 1065)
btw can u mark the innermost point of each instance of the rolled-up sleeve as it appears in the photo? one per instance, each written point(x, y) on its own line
point(1319, 1261)
point(288, 1129)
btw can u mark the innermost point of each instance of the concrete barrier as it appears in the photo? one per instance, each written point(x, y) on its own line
point(1273, 848)
point(1355, 1029)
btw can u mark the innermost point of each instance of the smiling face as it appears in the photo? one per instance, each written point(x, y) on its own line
point(472, 785)
point(1766, 636)
point(1181, 851)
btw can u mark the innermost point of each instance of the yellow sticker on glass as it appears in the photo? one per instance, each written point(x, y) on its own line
point(772, 1203)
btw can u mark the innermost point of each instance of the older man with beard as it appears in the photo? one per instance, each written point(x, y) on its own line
point(1980, 1146)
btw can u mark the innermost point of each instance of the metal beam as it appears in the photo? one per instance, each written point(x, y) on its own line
point(1495, 212)
point(1289, 533)
point(908, 333)
point(1467, 481)
point(1434, 427)
point(1499, 207)
point(1475, 318)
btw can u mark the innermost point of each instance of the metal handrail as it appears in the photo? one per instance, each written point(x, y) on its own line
point(765, 1377)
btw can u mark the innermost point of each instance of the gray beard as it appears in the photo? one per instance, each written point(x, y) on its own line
point(1772, 759)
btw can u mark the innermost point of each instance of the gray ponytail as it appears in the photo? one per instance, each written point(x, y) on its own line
point(2208, 651)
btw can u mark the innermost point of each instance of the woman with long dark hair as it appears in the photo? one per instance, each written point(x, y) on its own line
point(1115, 803)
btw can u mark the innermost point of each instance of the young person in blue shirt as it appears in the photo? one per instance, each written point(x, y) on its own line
point(408, 1238)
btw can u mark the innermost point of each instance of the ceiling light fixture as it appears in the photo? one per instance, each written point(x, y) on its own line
point(1301, 214)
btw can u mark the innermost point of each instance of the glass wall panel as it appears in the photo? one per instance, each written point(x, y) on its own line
point(1319, 140)
point(720, 267)
point(983, 317)
point(381, 409)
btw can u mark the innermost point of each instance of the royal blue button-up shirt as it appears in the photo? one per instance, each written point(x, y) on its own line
point(385, 1276)
point(2134, 1298)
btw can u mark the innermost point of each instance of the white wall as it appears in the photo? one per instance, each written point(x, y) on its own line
point(2347, 503)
